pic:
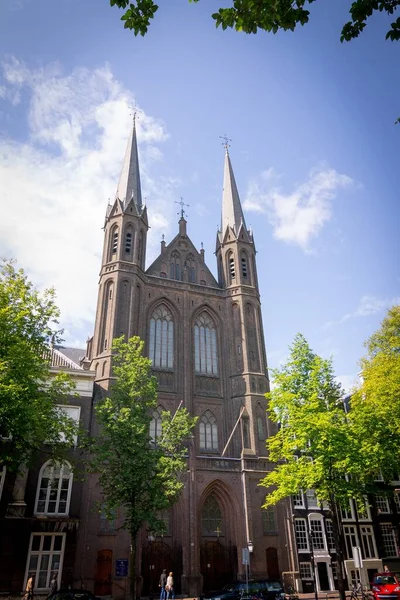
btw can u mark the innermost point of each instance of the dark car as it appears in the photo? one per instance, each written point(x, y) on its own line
point(73, 594)
point(385, 586)
point(267, 589)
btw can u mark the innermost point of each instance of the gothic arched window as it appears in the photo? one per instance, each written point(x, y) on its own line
point(231, 266)
point(128, 240)
point(208, 431)
point(54, 489)
point(155, 425)
point(191, 265)
point(211, 517)
point(244, 265)
point(113, 242)
point(205, 345)
point(161, 342)
point(175, 271)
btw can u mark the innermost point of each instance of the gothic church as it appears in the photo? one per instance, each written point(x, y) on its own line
point(205, 339)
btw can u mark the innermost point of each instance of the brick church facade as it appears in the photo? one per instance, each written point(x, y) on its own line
point(205, 339)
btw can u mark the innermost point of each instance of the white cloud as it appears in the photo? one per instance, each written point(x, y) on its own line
point(299, 216)
point(349, 382)
point(55, 185)
point(367, 306)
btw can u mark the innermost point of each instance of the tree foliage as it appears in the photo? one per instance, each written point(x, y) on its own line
point(29, 394)
point(269, 15)
point(376, 404)
point(315, 447)
point(136, 473)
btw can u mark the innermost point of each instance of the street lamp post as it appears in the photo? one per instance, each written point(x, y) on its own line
point(313, 563)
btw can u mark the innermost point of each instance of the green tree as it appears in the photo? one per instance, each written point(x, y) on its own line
point(376, 404)
point(315, 447)
point(268, 15)
point(137, 473)
point(30, 419)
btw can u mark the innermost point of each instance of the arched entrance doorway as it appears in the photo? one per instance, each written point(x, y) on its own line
point(157, 556)
point(218, 556)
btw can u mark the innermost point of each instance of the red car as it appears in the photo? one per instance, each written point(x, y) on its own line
point(385, 586)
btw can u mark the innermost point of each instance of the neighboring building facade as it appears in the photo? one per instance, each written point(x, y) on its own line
point(39, 520)
point(374, 531)
point(205, 339)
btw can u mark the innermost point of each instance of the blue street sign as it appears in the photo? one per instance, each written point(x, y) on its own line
point(121, 567)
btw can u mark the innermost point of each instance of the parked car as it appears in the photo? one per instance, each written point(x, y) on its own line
point(385, 586)
point(267, 589)
point(73, 594)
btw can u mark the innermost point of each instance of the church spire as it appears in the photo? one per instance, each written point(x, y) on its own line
point(129, 181)
point(232, 213)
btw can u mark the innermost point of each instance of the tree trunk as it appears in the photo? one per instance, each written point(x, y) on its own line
point(133, 565)
point(338, 547)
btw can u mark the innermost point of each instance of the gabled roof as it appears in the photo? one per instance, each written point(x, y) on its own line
point(66, 357)
point(184, 246)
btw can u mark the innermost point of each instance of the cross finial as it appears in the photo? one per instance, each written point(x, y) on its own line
point(182, 204)
point(226, 141)
point(218, 531)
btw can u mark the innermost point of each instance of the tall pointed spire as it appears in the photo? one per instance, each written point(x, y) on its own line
point(232, 213)
point(129, 181)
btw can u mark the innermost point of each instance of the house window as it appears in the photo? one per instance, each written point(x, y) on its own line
point(205, 345)
point(382, 504)
point(54, 489)
point(312, 501)
point(305, 570)
point(211, 517)
point(347, 513)
point(329, 535)
point(300, 527)
point(156, 426)
point(2, 478)
point(161, 346)
point(397, 501)
point(334, 566)
point(350, 538)
point(74, 413)
point(269, 520)
point(128, 242)
point(367, 542)
point(107, 525)
point(45, 558)
point(317, 534)
point(364, 514)
point(208, 431)
point(298, 500)
point(389, 540)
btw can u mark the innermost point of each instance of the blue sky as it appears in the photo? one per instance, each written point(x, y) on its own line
point(315, 153)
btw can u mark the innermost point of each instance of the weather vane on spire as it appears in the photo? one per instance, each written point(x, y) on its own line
point(134, 112)
point(182, 204)
point(226, 141)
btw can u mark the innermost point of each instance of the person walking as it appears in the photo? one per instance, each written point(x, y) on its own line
point(53, 585)
point(29, 588)
point(170, 586)
point(162, 584)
